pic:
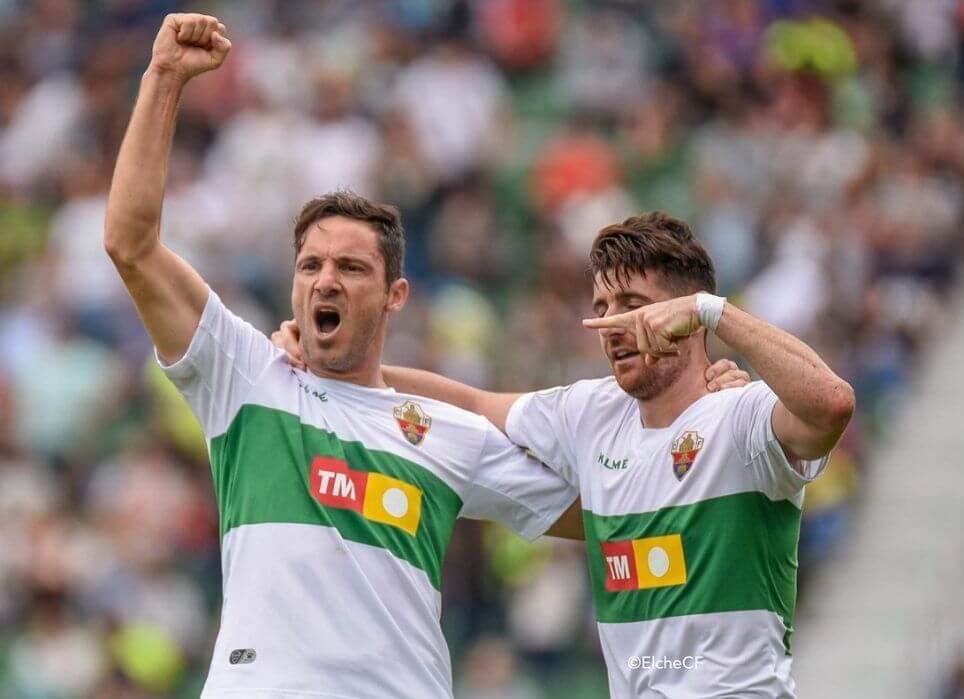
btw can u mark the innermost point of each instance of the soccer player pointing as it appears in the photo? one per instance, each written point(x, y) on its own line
point(693, 543)
point(691, 498)
point(814, 405)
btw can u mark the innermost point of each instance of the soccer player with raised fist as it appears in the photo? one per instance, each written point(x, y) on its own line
point(189, 44)
point(337, 496)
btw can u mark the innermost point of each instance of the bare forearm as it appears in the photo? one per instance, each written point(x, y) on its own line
point(426, 383)
point(137, 189)
point(494, 406)
point(805, 385)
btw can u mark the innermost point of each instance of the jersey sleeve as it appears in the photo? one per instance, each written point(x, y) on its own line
point(225, 358)
point(539, 422)
point(514, 489)
point(752, 426)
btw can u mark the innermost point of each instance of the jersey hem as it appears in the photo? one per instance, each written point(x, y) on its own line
point(812, 468)
point(540, 526)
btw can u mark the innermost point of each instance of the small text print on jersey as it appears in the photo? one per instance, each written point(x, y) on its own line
point(611, 463)
point(376, 497)
point(639, 564)
point(413, 421)
point(684, 451)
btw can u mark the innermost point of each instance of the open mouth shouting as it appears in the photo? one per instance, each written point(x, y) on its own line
point(327, 321)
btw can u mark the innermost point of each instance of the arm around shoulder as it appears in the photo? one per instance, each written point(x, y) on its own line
point(493, 406)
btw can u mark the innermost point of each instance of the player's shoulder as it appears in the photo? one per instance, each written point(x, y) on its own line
point(736, 401)
point(598, 393)
point(754, 390)
point(440, 412)
point(581, 404)
point(454, 436)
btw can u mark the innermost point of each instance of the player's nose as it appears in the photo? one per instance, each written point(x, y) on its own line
point(327, 280)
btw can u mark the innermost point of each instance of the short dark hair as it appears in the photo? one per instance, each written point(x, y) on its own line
point(384, 218)
point(653, 242)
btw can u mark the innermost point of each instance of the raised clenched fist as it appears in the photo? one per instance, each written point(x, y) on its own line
point(189, 44)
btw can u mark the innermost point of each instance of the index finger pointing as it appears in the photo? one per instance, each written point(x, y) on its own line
point(620, 320)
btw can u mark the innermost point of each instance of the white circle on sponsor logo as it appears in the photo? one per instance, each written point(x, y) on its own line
point(658, 561)
point(395, 502)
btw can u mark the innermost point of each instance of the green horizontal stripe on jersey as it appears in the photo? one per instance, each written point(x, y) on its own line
point(260, 469)
point(740, 552)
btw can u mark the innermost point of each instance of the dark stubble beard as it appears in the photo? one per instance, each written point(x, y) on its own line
point(652, 381)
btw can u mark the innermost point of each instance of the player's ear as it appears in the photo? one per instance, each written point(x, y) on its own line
point(397, 295)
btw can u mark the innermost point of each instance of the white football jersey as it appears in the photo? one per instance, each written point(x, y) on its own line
point(336, 506)
point(691, 532)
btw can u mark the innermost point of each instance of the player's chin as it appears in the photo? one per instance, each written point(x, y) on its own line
point(323, 352)
point(636, 378)
point(626, 376)
point(335, 357)
point(627, 367)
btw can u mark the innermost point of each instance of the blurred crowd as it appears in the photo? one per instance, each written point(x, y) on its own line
point(816, 146)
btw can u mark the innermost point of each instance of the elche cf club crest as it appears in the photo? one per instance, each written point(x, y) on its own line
point(684, 451)
point(414, 422)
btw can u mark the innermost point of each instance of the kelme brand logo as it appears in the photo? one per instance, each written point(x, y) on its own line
point(611, 463)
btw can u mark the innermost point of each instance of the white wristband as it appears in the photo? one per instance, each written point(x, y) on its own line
point(709, 309)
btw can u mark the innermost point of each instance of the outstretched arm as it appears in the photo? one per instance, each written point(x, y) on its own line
point(491, 405)
point(814, 405)
point(168, 293)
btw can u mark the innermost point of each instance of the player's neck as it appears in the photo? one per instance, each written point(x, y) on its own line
point(663, 410)
point(367, 377)
point(368, 373)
